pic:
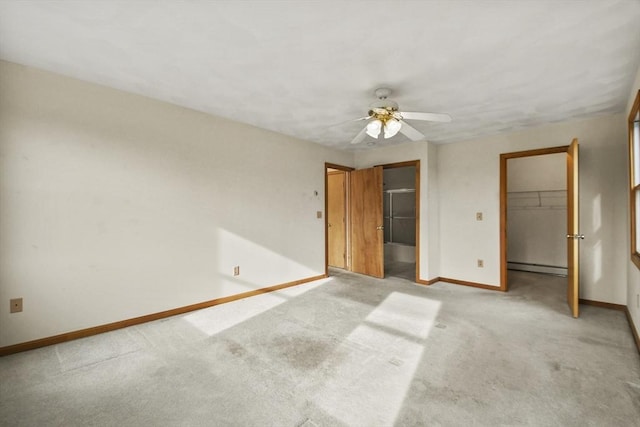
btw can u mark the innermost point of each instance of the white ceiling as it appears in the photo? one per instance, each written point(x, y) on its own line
point(301, 67)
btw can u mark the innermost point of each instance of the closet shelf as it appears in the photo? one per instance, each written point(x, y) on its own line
point(400, 216)
point(537, 200)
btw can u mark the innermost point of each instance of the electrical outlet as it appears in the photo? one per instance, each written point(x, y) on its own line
point(15, 305)
point(478, 216)
point(480, 263)
point(236, 270)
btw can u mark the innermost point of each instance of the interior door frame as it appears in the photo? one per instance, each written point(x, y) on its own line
point(345, 169)
point(504, 286)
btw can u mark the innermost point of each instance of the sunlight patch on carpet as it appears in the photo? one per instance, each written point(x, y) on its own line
point(395, 332)
point(216, 319)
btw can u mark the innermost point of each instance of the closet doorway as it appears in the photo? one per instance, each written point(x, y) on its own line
point(529, 202)
point(537, 214)
point(400, 213)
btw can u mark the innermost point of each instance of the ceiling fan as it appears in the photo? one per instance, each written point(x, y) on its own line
point(384, 118)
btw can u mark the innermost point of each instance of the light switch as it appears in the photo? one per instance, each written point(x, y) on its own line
point(319, 214)
point(478, 216)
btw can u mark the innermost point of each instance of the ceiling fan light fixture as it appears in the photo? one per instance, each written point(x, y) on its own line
point(385, 115)
point(374, 127)
point(391, 128)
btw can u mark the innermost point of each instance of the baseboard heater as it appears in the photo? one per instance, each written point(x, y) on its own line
point(537, 268)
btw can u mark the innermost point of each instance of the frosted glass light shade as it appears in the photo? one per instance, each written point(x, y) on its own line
point(373, 128)
point(391, 128)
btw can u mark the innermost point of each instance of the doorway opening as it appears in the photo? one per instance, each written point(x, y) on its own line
point(337, 217)
point(538, 188)
point(381, 219)
point(537, 214)
point(399, 212)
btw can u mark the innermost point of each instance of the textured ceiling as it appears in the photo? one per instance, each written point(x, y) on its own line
point(304, 68)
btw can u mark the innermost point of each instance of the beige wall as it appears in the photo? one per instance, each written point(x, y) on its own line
point(468, 176)
point(114, 205)
point(633, 291)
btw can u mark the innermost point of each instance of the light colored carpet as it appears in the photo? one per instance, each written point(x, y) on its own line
point(348, 350)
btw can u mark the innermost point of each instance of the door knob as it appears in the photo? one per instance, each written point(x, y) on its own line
point(380, 227)
point(575, 236)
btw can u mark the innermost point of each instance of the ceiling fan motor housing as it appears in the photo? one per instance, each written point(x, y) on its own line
point(382, 92)
point(383, 102)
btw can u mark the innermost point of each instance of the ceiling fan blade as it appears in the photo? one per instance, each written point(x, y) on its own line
point(431, 117)
point(349, 121)
point(360, 136)
point(411, 132)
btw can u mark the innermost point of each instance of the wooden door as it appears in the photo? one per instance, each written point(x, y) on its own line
point(367, 233)
point(336, 219)
point(573, 229)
